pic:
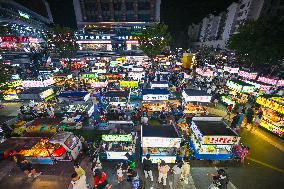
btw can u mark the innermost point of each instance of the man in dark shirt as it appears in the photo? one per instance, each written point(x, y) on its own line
point(147, 165)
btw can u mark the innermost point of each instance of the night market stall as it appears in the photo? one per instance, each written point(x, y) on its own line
point(117, 98)
point(212, 139)
point(161, 142)
point(194, 101)
point(239, 92)
point(75, 103)
point(155, 100)
point(37, 94)
point(159, 85)
point(273, 114)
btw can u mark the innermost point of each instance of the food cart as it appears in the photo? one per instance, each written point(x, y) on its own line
point(120, 140)
point(37, 94)
point(117, 98)
point(193, 101)
point(273, 114)
point(212, 139)
point(155, 100)
point(239, 92)
point(75, 102)
point(161, 142)
point(61, 146)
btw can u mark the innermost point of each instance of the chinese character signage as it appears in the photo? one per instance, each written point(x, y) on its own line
point(161, 142)
point(46, 93)
point(33, 83)
point(89, 76)
point(117, 138)
point(225, 140)
point(240, 88)
point(92, 37)
point(155, 97)
point(248, 75)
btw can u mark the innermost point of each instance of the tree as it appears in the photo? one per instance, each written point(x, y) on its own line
point(154, 39)
point(260, 43)
point(62, 42)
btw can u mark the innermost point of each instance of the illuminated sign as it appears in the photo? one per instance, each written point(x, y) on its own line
point(230, 69)
point(227, 100)
point(240, 88)
point(137, 69)
point(33, 83)
point(89, 76)
point(24, 15)
point(11, 97)
point(205, 73)
point(17, 39)
point(221, 140)
point(46, 93)
point(270, 104)
point(188, 98)
point(11, 84)
point(155, 97)
point(161, 142)
point(247, 75)
point(159, 85)
point(99, 84)
point(132, 42)
point(94, 42)
point(134, 38)
point(129, 84)
point(92, 37)
point(117, 138)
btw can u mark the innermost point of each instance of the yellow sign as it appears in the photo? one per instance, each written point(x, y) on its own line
point(129, 84)
point(12, 84)
point(270, 104)
point(187, 60)
point(46, 93)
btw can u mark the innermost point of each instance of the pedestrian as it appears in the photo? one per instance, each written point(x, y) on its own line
point(177, 170)
point(220, 180)
point(100, 180)
point(185, 170)
point(249, 116)
point(78, 182)
point(229, 111)
point(79, 170)
point(119, 173)
point(147, 166)
point(163, 172)
point(256, 121)
point(240, 119)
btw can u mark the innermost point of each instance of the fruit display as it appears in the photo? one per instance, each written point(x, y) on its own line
point(44, 149)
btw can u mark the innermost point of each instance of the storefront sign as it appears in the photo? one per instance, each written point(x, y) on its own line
point(92, 37)
point(133, 38)
point(248, 75)
point(89, 76)
point(117, 138)
point(155, 97)
point(221, 140)
point(160, 142)
point(129, 84)
point(204, 72)
point(240, 88)
point(17, 39)
point(11, 97)
point(267, 80)
point(159, 85)
point(24, 15)
point(33, 83)
point(99, 84)
point(158, 159)
point(46, 93)
point(228, 100)
point(230, 69)
point(270, 104)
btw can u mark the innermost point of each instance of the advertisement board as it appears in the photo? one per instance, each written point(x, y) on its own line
point(160, 142)
point(129, 84)
point(198, 99)
point(99, 84)
point(90, 75)
point(159, 85)
point(248, 75)
point(240, 88)
point(46, 93)
point(117, 138)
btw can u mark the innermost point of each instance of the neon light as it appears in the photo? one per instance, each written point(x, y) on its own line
point(271, 127)
point(24, 15)
point(270, 104)
point(117, 138)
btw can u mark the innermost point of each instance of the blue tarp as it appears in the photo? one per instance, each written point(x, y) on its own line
point(73, 94)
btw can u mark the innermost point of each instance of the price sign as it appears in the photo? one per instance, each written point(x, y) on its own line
point(221, 140)
point(155, 97)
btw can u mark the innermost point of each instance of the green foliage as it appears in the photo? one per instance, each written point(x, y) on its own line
point(62, 42)
point(154, 39)
point(260, 43)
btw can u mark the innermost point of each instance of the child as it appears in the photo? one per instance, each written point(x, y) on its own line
point(119, 173)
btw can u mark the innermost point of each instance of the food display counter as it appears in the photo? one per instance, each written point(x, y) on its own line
point(273, 114)
point(212, 139)
point(161, 142)
point(61, 146)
